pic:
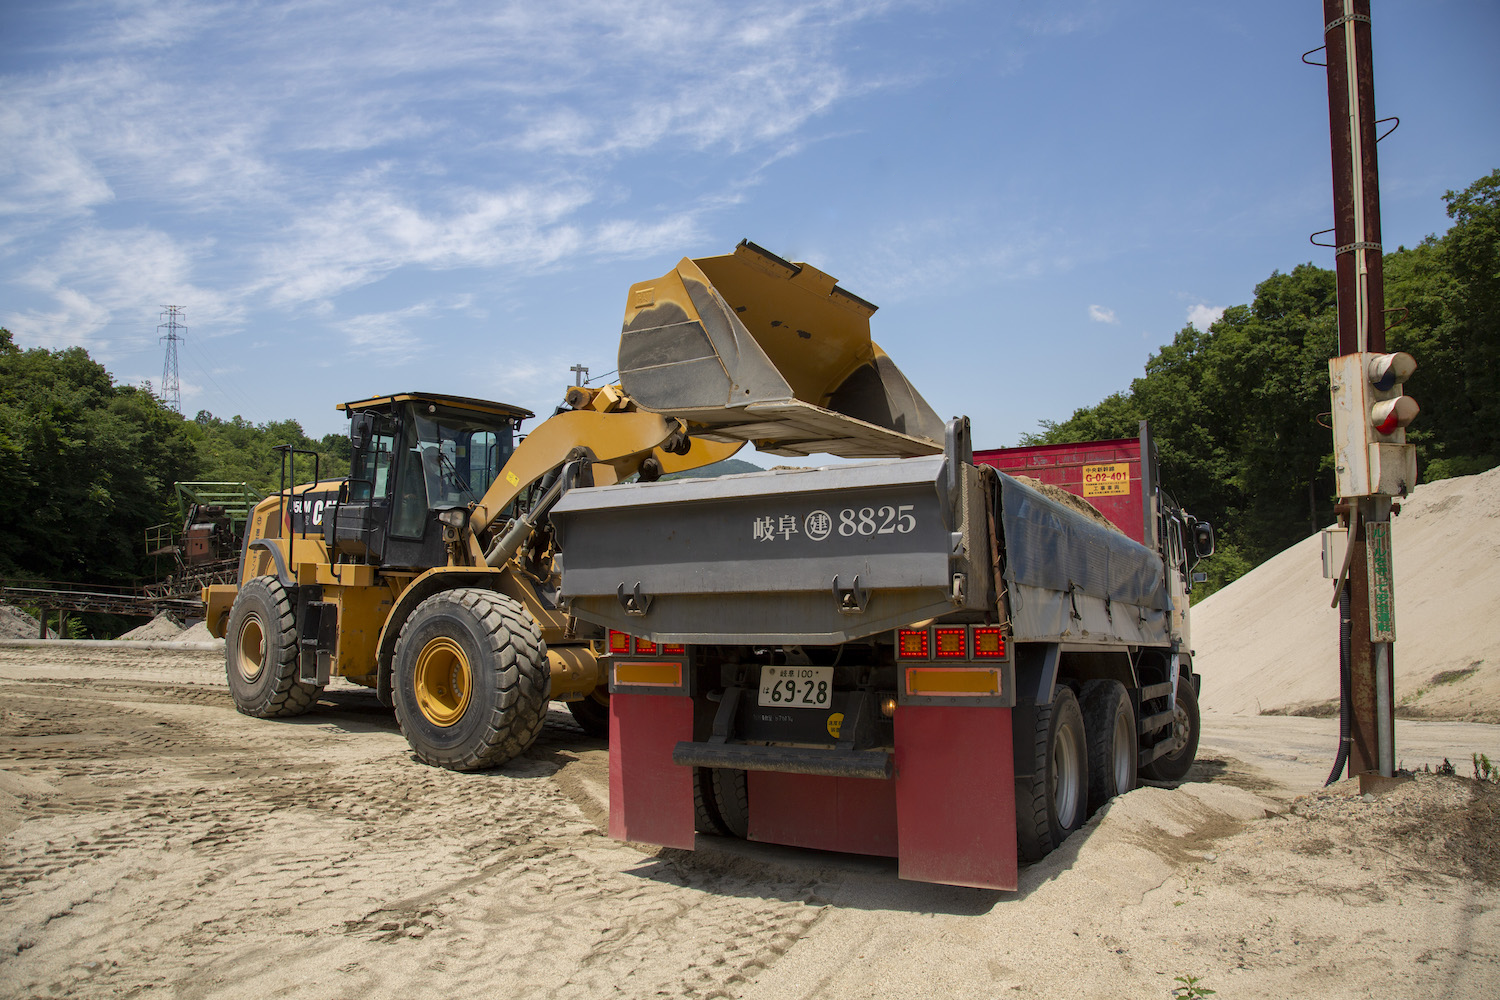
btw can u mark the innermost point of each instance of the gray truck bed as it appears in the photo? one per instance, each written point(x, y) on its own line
point(829, 555)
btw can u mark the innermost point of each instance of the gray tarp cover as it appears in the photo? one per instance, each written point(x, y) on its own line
point(1071, 578)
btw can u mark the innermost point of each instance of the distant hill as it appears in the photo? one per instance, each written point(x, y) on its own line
point(728, 467)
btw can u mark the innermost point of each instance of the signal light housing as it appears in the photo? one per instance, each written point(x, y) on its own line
point(1370, 415)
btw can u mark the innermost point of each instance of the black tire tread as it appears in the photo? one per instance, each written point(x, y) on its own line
point(1033, 832)
point(731, 791)
point(285, 696)
point(706, 818)
point(515, 719)
point(1100, 699)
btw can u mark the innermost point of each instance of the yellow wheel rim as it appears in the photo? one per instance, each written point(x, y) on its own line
point(442, 681)
point(252, 648)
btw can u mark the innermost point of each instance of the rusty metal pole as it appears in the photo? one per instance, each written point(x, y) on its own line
point(1361, 326)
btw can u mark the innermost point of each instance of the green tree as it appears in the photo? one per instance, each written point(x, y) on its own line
point(1240, 411)
point(85, 466)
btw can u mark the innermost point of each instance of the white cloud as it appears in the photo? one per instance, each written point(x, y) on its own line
point(97, 274)
point(1100, 314)
point(1202, 316)
point(299, 151)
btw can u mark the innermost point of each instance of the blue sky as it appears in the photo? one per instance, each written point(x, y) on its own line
point(358, 198)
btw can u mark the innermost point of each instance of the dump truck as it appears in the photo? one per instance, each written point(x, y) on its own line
point(923, 658)
point(428, 571)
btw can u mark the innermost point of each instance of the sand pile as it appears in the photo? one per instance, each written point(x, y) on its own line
point(162, 628)
point(1269, 641)
point(17, 624)
point(196, 633)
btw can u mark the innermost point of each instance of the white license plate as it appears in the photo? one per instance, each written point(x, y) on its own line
point(796, 687)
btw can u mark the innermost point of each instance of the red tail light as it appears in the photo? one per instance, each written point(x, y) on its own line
point(989, 643)
point(950, 643)
point(911, 644)
point(619, 643)
point(645, 647)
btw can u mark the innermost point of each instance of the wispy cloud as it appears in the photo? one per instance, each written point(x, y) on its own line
point(1100, 314)
point(97, 274)
point(302, 151)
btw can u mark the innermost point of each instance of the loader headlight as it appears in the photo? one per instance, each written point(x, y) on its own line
point(455, 518)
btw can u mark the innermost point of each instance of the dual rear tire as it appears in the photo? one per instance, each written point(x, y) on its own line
point(1084, 751)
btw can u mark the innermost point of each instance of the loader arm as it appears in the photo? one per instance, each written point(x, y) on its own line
point(616, 442)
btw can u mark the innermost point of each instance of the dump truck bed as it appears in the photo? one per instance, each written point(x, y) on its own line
point(830, 555)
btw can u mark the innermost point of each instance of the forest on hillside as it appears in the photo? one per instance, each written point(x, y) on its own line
point(1240, 411)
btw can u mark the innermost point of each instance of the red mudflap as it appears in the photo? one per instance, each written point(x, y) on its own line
point(856, 815)
point(956, 796)
point(650, 798)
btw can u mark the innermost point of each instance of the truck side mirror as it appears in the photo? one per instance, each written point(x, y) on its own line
point(1203, 539)
point(360, 427)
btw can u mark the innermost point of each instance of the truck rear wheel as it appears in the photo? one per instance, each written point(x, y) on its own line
point(260, 653)
point(1109, 723)
point(470, 680)
point(591, 712)
point(1186, 725)
point(721, 801)
point(1053, 801)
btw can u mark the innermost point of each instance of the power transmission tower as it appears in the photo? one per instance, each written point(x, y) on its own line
point(171, 389)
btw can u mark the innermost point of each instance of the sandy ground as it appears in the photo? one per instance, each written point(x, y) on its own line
point(156, 843)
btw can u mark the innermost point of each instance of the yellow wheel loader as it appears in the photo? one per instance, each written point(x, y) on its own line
point(428, 572)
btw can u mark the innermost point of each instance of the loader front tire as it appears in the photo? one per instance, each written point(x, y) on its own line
point(1053, 801)
point(260, 653)
point(470, 680)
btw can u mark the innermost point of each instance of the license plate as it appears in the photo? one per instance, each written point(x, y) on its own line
point(796, 687)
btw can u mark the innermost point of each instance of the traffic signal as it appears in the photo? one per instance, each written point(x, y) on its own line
point(1370, 414)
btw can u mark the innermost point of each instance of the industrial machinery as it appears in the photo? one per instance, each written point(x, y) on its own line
point(429, 572)
point(204, 547)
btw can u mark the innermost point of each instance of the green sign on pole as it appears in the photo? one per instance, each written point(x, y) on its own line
point(1382, 582)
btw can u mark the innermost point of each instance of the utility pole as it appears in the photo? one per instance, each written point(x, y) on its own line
point(580, 374)
point(171, 389)
point(1373, 463)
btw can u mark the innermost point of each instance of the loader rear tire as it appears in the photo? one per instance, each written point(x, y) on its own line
point(260, 653)
point(591, 712)
point(470, 680)
point(1053, 801)
point(1186, 725)
point(1109, 724)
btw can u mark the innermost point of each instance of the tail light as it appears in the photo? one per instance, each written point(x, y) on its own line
point(989, 643)
point(949, 643)
point(911, 644)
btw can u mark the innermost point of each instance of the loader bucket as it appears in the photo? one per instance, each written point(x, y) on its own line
point(750, 347)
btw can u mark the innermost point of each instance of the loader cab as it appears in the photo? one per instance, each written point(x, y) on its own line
point(416, 455)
